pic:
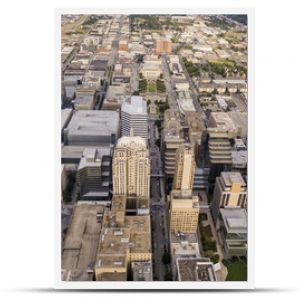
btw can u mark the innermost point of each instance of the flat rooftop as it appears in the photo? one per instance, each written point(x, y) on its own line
point(232, 177)
point(81, 242)
point(140, 233)
point(180, 237)
point(195, 270)
point(90, 158)
point(94, 122)
point(132, 142)
point(136, 105)
point(76, 152)
point(114, 276)
point(235, 219)
point(222, 120)
point(141, 270)
point(186, 105)
point(65, 116)
point(114, 242)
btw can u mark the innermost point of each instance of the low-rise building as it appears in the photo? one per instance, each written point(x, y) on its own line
point(85, 99)
point(123, 240)
point(80, 245)
point(163, 46)
point(115, 96)
point(182, 86)
point(197, 269)
point(151, 71)
point(92, 128)
point(141, 271)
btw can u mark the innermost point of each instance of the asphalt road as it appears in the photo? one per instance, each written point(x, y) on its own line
point(194, 91)
point(172, 95)
point(111, 62)
point(158, 209)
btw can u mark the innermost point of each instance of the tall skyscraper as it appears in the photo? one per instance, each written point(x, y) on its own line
point(134, 117)
point(185, 168)
point(172, 138)
point(131, 167)
point(184, 207)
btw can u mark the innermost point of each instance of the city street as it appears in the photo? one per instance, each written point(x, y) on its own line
point(158, 208)
point(193, 90)
point(172, 96)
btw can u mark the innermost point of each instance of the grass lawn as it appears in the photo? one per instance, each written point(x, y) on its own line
point(237, 271)
point(151, 87)
point(228, 63)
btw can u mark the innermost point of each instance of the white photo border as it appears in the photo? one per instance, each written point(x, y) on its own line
point(155, 285)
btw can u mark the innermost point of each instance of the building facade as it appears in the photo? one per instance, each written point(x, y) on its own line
point(172, 138)
point(163, 46)
point(184, 212)
point(184, 207)
point(134, 117)
point(94, 175)
point(230, 192)
point(131, 167)
point(185, 168)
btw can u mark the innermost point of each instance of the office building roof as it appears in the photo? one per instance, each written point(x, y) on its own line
point(235, 219)
point(140, 233)
point(222, 120)
point(195, 270)
point(81, 242)
point(136, 105)
point(132, 142)
point(94, 122)
point(141, 270)
point(230, 178)
point(90, 158)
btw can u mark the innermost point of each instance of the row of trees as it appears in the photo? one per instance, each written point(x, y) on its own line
point(193, 69)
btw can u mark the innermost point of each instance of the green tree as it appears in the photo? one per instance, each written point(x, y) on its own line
point(166, 258)
point(168, 276)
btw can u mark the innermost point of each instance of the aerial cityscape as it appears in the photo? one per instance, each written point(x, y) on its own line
point(154, 126)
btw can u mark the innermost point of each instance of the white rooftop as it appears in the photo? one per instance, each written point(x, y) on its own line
point(99, 122)
point(235, 219)
point(136, 106)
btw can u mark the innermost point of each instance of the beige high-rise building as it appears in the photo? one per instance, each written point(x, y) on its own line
point(172, 138)
point(230, 192)
point(131, 167)
point(184, 207)
point(184, 211)
point(185, 168)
